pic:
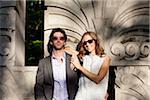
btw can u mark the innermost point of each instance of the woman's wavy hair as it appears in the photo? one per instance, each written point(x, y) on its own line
point(49, 45)
point(98, 48)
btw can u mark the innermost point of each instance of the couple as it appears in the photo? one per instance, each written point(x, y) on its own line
point(61, 76)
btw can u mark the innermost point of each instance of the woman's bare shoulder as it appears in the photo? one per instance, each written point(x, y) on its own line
point(106, 57)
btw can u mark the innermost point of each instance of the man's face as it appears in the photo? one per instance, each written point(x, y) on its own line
point(58, 40)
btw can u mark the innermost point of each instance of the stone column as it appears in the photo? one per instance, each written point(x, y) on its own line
point(7, 33)
point(8, 84)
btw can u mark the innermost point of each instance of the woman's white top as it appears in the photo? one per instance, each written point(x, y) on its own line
point(88, 90)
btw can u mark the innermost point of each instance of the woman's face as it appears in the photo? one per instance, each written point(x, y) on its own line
point(89, 44)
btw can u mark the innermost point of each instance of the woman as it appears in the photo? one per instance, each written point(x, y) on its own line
point(93, 81)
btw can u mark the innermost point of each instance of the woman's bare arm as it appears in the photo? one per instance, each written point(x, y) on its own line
point(92, 76)
point(71, 51)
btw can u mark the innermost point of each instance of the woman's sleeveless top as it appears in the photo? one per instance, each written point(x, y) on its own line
point(88, 90)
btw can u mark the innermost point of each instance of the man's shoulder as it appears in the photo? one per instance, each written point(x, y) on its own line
point(45, 59)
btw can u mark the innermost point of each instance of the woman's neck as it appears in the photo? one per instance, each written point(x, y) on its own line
point(93, 53)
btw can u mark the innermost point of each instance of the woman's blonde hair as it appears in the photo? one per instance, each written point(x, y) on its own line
point(98, 48)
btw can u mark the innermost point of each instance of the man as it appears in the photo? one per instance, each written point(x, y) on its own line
point(55, 79)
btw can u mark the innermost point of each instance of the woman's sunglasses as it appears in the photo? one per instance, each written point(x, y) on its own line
point(60, 38)
point(88, 41)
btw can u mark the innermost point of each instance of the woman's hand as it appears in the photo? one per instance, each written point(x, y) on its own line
point(75, 62)
point(71, 51)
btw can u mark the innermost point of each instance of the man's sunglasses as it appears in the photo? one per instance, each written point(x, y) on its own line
point(60, 38)
point(88, 41)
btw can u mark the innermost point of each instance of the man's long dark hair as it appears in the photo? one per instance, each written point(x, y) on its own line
point(49, 45)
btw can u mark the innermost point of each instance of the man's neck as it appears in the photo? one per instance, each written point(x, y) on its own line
point(58, 53)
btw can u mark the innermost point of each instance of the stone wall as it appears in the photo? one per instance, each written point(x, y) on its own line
point(122, 25)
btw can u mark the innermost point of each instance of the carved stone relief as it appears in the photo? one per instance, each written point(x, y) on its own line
point(7, 48)
point(7, 36)
point(132, 83)
point(8, 87)
point(129, 48)
point(7, 51)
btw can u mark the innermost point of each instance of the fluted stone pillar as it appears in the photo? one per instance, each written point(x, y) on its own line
point(8, 17)
point(7, 33)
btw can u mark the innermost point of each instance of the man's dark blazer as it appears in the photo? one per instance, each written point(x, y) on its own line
point(44, 85)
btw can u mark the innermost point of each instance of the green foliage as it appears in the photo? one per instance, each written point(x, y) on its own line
point(34, 31)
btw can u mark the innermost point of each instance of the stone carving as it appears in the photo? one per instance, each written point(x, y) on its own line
point(8, 85)
point(132, 83)
point(7, 48)
point(133, 46)
point(7, 51)
point(7, 34)
point(130, 51)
